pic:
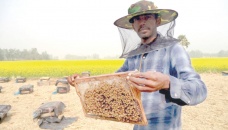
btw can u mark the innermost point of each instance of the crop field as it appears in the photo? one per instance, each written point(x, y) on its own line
point(59, 68)
point(213, 65)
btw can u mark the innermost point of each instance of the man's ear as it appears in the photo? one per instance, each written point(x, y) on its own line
point(158, 21)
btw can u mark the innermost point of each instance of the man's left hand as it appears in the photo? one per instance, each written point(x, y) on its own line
point(149, 81)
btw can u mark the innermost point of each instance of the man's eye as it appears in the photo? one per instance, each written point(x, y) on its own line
point(147, 16)
point(136, 18)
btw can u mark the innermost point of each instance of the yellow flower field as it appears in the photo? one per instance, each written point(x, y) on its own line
point(214, 65)
point(59, 68)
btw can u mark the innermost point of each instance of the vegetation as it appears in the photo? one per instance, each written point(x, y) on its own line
point(33, 54)
point(183, 40)
point(215, 65)
point(55, 68)
point(199, 54)
point(15, 54)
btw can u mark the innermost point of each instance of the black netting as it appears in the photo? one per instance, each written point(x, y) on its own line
point(130, 39)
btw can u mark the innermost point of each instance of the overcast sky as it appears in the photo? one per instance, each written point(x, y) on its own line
point(85, 27)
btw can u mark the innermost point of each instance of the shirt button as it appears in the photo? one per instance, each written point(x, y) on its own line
point(175, 95)
point(188, 102)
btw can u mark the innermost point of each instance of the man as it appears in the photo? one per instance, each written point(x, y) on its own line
point(165, 76)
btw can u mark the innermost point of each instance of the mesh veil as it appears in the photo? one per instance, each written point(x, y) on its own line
point(131, 41)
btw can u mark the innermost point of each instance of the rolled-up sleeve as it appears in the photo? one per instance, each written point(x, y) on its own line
point(185, 83)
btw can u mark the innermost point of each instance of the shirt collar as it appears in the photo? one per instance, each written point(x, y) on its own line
point(158, 43)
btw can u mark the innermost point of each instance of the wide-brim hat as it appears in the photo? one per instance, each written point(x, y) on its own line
point(145, 7)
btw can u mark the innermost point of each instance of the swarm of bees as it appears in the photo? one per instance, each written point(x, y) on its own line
point(112, 101)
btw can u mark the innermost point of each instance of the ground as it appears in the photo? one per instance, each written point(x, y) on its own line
point(210, 115)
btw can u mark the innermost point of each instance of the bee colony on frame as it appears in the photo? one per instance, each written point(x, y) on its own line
point(110, 97)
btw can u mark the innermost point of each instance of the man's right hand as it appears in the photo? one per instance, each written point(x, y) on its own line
point(72, 78)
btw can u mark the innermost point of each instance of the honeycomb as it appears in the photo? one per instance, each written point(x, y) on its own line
point(110, 97)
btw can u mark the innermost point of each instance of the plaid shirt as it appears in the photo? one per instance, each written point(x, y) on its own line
point(163, 108)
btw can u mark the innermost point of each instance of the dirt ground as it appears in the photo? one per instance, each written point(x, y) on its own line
point(210, 115)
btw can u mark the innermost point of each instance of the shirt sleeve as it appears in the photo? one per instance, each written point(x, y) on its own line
point(124, 67)
point(185, 83)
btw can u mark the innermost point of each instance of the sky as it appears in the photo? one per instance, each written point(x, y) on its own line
point(85, 27)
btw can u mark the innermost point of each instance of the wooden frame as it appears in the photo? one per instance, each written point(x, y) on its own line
point(93, 83)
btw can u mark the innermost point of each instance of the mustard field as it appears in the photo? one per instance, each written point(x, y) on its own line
point(214, 65)
point(57, 68)
point(60, 68)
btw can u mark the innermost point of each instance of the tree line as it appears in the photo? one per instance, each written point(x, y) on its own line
point(32, 54)
point(196, 53)
point(15, 54)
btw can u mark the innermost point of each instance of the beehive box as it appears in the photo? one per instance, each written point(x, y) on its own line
point(4, 79)
point(43, 81)
point(225, 73)
point(3, 111)
point(110, 97)
point(26, 89)
point(20, 79)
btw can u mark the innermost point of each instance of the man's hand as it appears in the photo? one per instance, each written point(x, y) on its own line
point(72, 78)
point(149, 81)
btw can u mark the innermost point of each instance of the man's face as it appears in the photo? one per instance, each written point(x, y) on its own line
point(145, 25)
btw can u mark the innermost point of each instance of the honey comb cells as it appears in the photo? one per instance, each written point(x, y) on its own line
point(112, 101)
point(111, 97)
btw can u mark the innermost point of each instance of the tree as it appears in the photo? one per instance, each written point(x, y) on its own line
point(183, 40)
point(34, 54)
point(195, 54)
point(15, 54)
point(95, 56)
point(222, 53)
point(25, 54)
point(45, 56)
point(1, 55)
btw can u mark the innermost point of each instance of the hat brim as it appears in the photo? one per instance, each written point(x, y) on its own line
point(166, 16)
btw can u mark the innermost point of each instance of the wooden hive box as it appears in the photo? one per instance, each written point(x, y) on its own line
point(62, 85)
point(3, 111)
point(20, 79)
point(4, 79)
point(225, 73)
point(43, 81)
point(26, 89)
